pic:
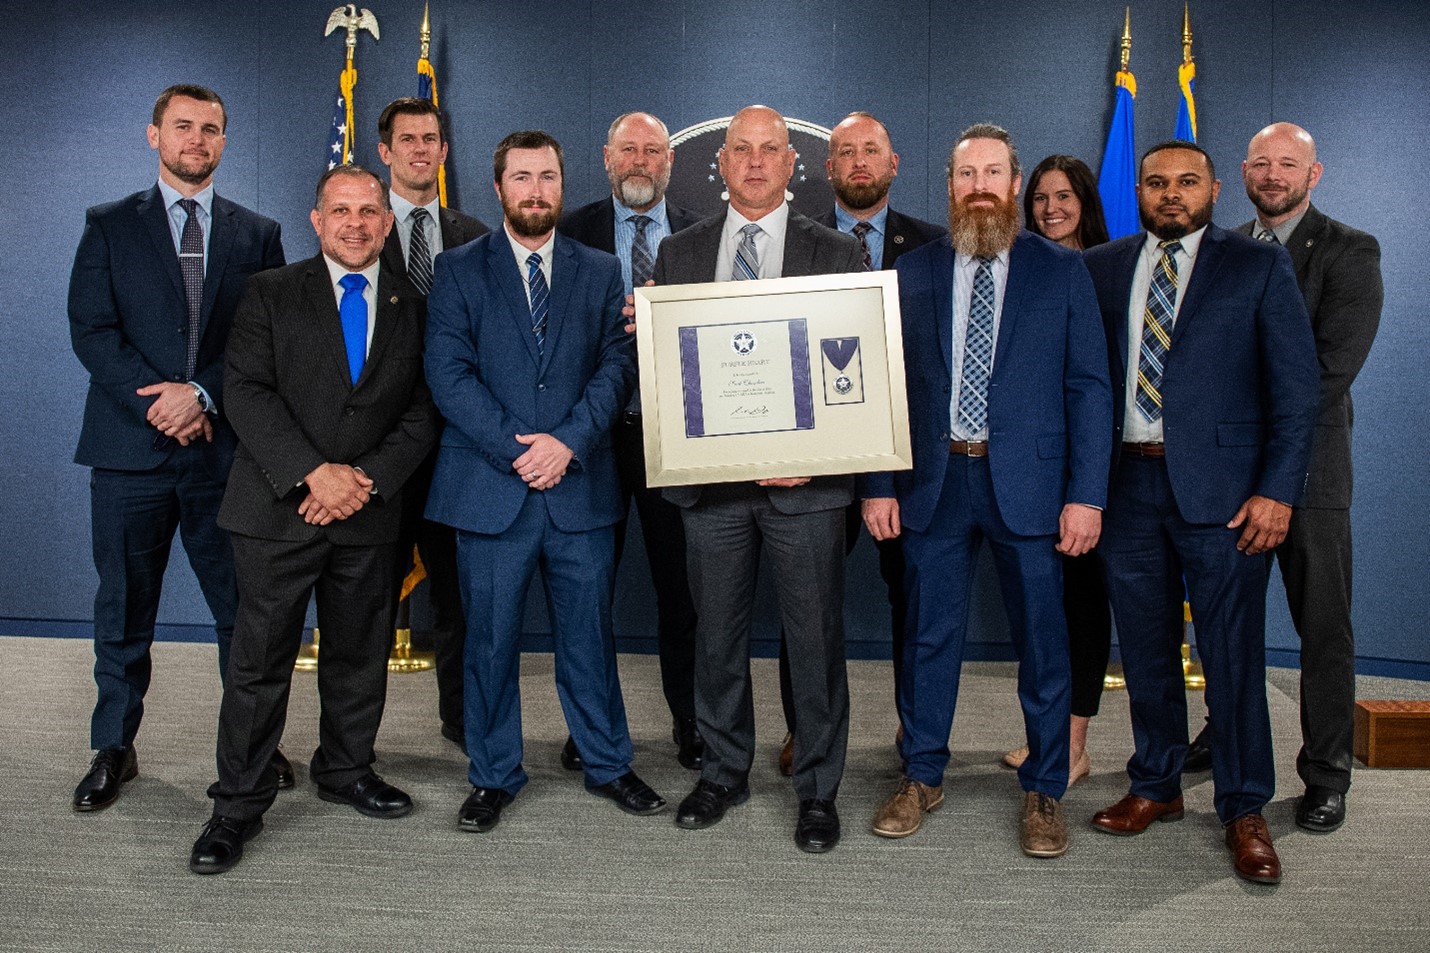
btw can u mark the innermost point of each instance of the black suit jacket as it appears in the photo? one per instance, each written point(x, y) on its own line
point(294, 406)
point(594, 225)
point(457, 229)
point(901, 233)
point(810, 249)
point(129, 320)
point(1338, 271)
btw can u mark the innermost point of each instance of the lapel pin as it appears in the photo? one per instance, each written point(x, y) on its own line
point(392, 300)
point(898, 239)
point(1310, 242)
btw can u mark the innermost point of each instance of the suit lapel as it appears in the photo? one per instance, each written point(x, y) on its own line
point(156, 221)
point(391, 258)
point(1126, 268)
point(321, 300)
point(221, 237)
point(942, 264)
point(564, 271)
point(501, 260)
point(1013, 293)
point(385, 320)
point(1303, 241)
point(799, 247)
point(1209, 257)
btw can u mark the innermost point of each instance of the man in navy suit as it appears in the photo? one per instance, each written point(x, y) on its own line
point(529, 362)
point(1216, 381)
point(630, 223)
point(156, 280)
point(1009, 414)
point(412, 143)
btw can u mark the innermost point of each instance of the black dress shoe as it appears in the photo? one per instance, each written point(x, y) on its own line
point(220, 843)
point(369, 795)
point(482, 809)
point(282, 768)
point(707, 804)
point(818, 827)
point(1199, 752)
point(110, 768)
point(689, 746)
point(1321, 810)
point(457, 734)
point(631, 795)
point(570, 757)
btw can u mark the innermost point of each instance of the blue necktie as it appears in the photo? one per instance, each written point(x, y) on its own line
point(747, 258)
point(353, 312)
point(1157, 332)
point(977, 353)
point(540, 300)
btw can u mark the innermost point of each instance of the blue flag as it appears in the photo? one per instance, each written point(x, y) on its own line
point(1117, 179)
point(337, 139)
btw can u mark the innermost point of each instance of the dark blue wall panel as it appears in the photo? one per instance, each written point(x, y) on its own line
point(74, 99)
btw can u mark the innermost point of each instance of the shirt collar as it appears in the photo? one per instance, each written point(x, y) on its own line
point(401, 208)
point(522, 253)
point(1283, 231)
point(1190, 243)
point(205, 197)
point(969, 261)
point(772, 224)
point(337, 272)
point(846, 221)
point(624, 212)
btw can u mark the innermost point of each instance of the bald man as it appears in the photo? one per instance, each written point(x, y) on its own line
point(1338, 271)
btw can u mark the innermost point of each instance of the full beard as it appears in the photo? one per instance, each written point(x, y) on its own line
point(532, 220)
point(638, 191)
point(863, 195)
point(982, 232)
point(1171, 229)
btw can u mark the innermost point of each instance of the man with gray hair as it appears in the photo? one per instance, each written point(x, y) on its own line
point(630, 223)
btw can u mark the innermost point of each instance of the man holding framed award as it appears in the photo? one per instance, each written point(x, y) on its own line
point(800, 520)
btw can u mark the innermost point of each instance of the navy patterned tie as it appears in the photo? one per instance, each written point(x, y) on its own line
point(1267, 235)
point(977, 353)
point(191, 265)
point(861, 232)
point(747, 259)
point(642, 262)
point(1157, 332)
point(419, 254)
point(540, 300)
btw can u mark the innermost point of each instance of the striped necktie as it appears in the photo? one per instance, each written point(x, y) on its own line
point(191, 266)
point(419, 253)
point(977, 353)
point(1157, 332)
point(861, 232)
point(540, 300)
point(642, 262)
point(747, 259)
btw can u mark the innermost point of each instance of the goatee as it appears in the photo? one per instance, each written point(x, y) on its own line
point(979, 231)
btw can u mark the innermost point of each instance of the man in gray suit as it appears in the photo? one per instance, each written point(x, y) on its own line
point(800, 520)
point(1338, 271)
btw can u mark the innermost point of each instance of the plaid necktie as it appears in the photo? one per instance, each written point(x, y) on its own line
point(861, 231)
point(747, 260)
point(642, 262)
point(1157, 332)
point(191, 265)
point(419, 254)
point(540, 300)
point(352, 310)
point(977, 353)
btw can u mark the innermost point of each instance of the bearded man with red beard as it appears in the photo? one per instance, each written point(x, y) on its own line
point(1010, 411)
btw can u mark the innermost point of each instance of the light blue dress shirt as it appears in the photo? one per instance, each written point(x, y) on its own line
point(874, 239)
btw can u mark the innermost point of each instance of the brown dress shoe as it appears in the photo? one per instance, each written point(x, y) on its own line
point(1133, 815)
point(904, 811)
point(1253, 856)
point(787, 756)
point(1044, 832)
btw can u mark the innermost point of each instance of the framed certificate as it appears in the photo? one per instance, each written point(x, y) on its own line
point(783, 377)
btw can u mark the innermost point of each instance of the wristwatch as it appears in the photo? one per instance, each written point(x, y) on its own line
point(200, 398)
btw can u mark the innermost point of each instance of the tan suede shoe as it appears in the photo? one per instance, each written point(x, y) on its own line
point(904, 811)
point(1078, 770)
point(1044, 832)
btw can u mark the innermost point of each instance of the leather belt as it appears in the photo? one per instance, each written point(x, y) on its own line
point(968, 448)
point(1153, 451)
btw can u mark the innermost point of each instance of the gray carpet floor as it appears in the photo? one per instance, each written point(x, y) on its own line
point(567, 871)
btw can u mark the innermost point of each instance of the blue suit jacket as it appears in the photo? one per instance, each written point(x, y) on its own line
point(1049, 399)
point(490, 383)
point(128, 321)
point(1239, 392)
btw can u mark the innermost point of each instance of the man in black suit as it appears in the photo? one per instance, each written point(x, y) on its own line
point(412, 143)
point(630, 223)
point(800, 519)
point(173, 258)
point(327, 397)
point(1338, 271)
point(861, 166)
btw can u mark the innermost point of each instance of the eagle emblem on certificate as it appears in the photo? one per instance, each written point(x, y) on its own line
point(843, 371)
